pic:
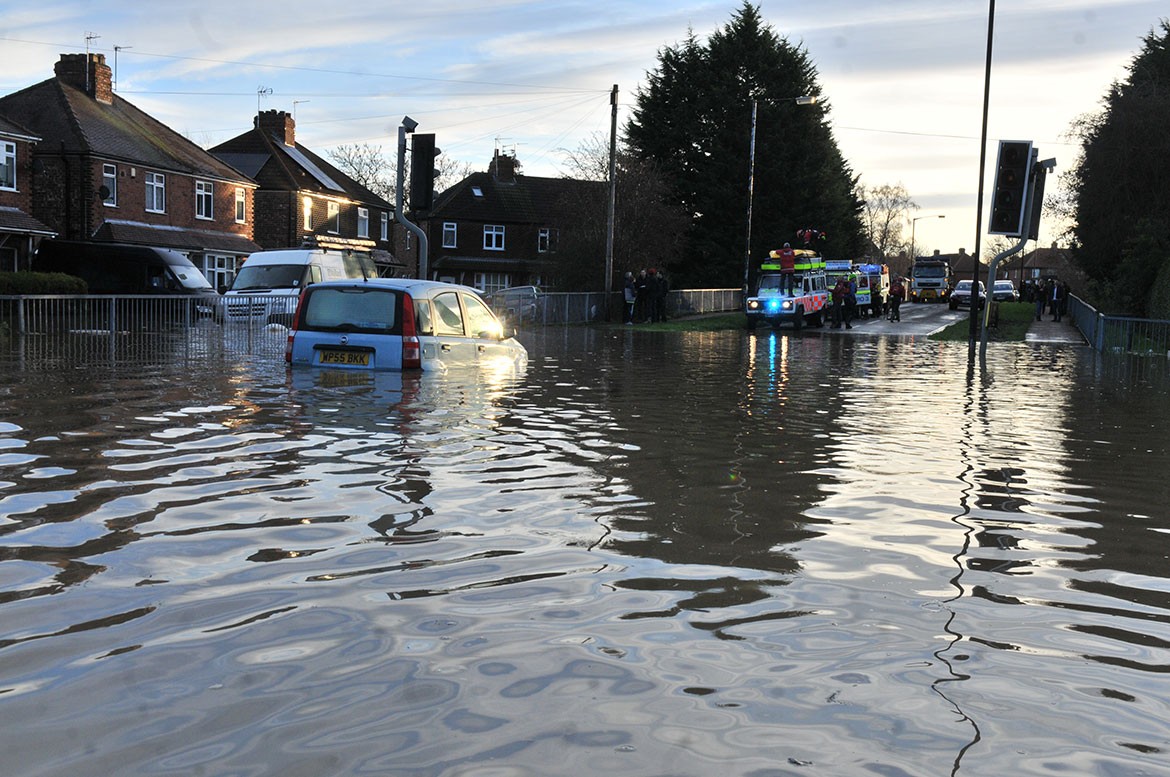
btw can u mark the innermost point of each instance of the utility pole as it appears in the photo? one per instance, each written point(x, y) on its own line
point(613, 102)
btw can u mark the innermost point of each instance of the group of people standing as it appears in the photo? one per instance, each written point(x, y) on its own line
point(645, 296)
point(844, 296)
point(1051, 296)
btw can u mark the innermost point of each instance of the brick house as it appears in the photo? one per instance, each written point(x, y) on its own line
point(303, 199)
point(500, 228)
point(106, 171)
point(19, 231)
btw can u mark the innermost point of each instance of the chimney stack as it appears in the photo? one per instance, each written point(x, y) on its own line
point(280, 124)
point(503, 168)
point(89, 73)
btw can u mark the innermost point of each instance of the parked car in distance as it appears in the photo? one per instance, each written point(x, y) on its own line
point(515, 303)
point(1004, 291)
point(397, 324)
point(961, 296)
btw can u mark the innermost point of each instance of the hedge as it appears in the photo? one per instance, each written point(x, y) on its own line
point(41, 283)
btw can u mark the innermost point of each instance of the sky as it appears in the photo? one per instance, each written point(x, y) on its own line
point(904, 79)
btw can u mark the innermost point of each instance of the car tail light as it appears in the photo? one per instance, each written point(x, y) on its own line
point(411, 348)
point(288, 346)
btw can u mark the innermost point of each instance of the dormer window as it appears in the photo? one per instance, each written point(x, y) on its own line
point(478, 192)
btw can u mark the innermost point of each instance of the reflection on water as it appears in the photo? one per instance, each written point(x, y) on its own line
point(683, 554)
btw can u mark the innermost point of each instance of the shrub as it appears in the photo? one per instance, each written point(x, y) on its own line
point(41, 283)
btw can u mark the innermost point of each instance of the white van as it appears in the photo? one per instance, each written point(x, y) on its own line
point(270, 282)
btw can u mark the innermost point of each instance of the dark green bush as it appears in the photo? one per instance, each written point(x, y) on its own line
point(41, 283)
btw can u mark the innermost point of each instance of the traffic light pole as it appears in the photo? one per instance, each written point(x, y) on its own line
point(1028, 229)
point(408, 125)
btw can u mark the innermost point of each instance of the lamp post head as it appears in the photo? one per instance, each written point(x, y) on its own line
point(807, 99)
point(409, 124)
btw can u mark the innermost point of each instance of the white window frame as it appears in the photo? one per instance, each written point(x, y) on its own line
point(8, 179)
point(110, 181)
point(333, 218)
point(204, 200)
point(156, 192)
point(363, 222)
point(241, 205)
point(219, 269)
point(307, 215)
point(544, 241)
point(450, 234)
point(487, 282)
point(385, 225)
point(493, 237)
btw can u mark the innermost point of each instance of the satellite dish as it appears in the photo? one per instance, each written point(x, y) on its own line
point(104, 192)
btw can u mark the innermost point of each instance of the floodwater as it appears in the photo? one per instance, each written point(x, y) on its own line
point(780, 554)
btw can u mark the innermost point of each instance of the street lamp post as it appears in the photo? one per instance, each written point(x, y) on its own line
point(913, 225)
point(807, 99)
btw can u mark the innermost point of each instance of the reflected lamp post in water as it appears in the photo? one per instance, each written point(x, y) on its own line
point(913, 226)
point(806, 99)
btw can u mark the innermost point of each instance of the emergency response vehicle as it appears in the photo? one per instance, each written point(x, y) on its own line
point(875, 278)
point(798, 297)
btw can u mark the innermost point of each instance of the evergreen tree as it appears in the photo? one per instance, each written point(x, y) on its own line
point(693, 119)
point(1121, 185)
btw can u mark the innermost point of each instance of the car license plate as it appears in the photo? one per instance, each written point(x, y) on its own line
point(348, 358)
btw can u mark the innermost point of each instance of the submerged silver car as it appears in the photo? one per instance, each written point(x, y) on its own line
point(397, 324)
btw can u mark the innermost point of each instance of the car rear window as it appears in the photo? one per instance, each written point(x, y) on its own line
point(352, 310)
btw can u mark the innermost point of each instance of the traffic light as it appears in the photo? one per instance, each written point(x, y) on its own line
point(1010, 194)
point(1038, 175)
point(422, 172)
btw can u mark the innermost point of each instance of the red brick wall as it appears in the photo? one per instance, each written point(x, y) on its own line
point(179, 204)
point(22, 197)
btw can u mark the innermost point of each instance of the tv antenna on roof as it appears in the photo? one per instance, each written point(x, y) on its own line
point(116, 50)
point(88, 37)
point(261, 91)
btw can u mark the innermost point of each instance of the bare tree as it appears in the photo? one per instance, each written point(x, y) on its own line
point(367, 165)
point(648, 224)
point(449, 172)
point(887, 209)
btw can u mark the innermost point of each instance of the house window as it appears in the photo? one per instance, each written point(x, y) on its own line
point(219, 270)
point(363, 222)
point(334, 218)
point(307, 213)
point(478, 192)
point(450, 233)
point(385, 226)
point(493, 237)
point(487, 282)
point(204, 199)
point(241, 206)
point(546, 240)
point(110, 181)
point(156, 192)
point(8, 166)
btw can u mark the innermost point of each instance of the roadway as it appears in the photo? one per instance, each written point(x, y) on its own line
point(918, 318)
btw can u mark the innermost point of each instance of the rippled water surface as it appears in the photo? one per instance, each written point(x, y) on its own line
point(650, 554)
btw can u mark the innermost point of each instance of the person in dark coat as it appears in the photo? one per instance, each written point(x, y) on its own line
point(658, 289)
point(642, 297)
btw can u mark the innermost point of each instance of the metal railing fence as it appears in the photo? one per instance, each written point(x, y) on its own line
point(133, 325)
point(1120, 334)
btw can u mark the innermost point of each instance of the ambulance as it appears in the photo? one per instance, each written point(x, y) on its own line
point(800, 297)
